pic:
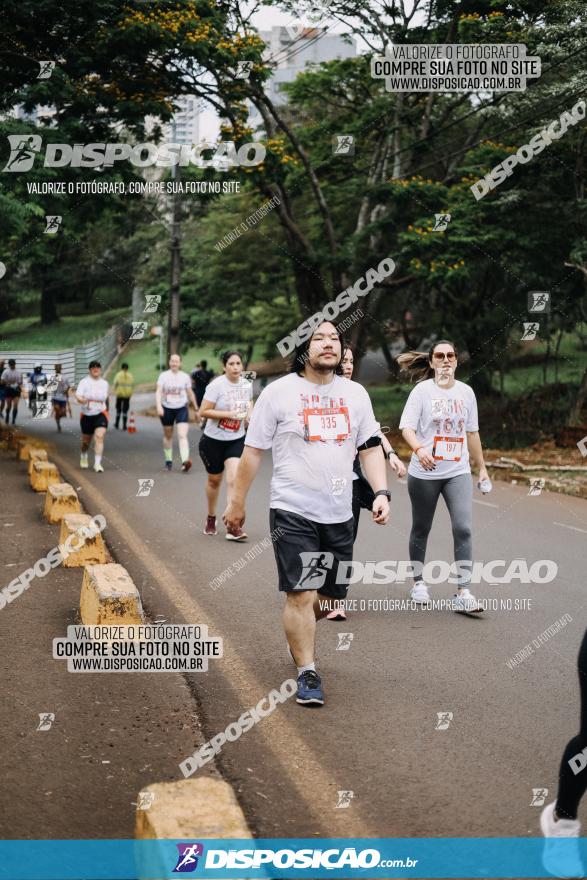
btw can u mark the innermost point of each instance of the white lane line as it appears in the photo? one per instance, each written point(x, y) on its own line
point(574, 528)
point(485, 503)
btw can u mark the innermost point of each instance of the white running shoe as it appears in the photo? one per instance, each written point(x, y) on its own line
point(83, 461)
point(419, 593)
point(560, 855)
point(464, 602)
point(98, 468)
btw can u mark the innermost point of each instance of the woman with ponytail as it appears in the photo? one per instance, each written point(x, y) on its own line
point(440, 424)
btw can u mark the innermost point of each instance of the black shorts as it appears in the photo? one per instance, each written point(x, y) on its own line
point(60, 406)
point(12, 393)
point(307, 553)
point(88, 424)
point(171, 416)
point(215, 452)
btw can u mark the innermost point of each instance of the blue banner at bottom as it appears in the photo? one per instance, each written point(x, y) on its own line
point(345, 858)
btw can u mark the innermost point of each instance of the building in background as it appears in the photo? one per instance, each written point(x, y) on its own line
point(185, 126)
point(291, 54)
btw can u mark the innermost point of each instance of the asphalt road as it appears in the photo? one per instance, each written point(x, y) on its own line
point(376, 736)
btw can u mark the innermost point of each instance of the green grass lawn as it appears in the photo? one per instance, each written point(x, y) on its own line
point(29, 334)
point(569, 367)
point(142, 358)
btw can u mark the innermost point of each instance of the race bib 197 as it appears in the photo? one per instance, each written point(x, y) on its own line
point(327, 423)
point(448, 448)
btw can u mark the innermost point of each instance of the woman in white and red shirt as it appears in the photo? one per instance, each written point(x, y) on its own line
point(227, 407)
point(440, 424)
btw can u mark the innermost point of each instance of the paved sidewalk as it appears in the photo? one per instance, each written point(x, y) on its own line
point(113, 733)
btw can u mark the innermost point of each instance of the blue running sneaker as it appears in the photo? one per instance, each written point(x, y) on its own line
point(310, 691)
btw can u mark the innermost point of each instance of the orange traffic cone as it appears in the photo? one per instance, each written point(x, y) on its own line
point(132, 428)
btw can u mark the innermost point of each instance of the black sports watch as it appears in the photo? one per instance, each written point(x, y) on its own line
point(385, 492)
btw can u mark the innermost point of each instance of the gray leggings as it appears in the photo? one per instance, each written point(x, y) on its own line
point(458, 495)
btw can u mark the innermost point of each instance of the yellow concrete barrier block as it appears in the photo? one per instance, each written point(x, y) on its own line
point(25, 445)
point(61, 499)
point(190, 808)
point(84, 548)
point(43, 475)
point(36, 454)
point(15, 437)
point(109, 596)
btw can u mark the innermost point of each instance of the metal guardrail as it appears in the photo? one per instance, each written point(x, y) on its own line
point(74, 361)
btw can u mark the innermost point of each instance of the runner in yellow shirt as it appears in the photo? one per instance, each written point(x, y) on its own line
point(123, 386)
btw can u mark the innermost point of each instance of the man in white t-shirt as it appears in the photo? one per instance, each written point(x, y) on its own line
point(174, 390)
point(92, 393)
point(314, 421)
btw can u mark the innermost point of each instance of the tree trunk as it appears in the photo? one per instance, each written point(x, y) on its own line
point(48, 305)
point(575, 413)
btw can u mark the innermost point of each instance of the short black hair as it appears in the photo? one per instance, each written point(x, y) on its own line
point(124, 366)
point(93, 364)
point(300, 358)
point(11, 362)
point(203, 364)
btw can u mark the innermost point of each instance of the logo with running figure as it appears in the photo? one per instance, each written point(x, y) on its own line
point(46, 719)
point(152, 301)
point(315, 568)
point(444, 719)
point(53, 223)
point(46, 68)
point(138, 330)
point(531, 329)
point(539, 301)
point(343, 145)
point(441, 222)
point(23, 150)
point(344, 641)
point(188, 855)
point(539, 795)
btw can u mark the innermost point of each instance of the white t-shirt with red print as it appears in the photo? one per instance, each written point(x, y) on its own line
point(174, 388)
point(313, 432)
point(441, 418)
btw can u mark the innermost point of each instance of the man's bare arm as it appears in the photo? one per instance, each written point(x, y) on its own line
point(234, 515)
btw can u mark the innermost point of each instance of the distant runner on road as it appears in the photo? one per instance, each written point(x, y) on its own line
point(92, 393)
point(174, 390)
point(123, 387)
point(11, 380)
point(60, 398)
point(38, 392)
point(440, 424)
point(313, 421)
point(201, 378)
point(227, 407)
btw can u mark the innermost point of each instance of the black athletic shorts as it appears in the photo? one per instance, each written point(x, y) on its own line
point(307, 553)
point(12, 393)
point(88, 424)
point(171, 416)
point(215, 452)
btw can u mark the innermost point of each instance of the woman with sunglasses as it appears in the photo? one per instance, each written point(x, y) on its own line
point(440, 424)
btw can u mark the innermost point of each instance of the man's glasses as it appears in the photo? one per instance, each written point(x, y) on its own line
point(440, 356)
